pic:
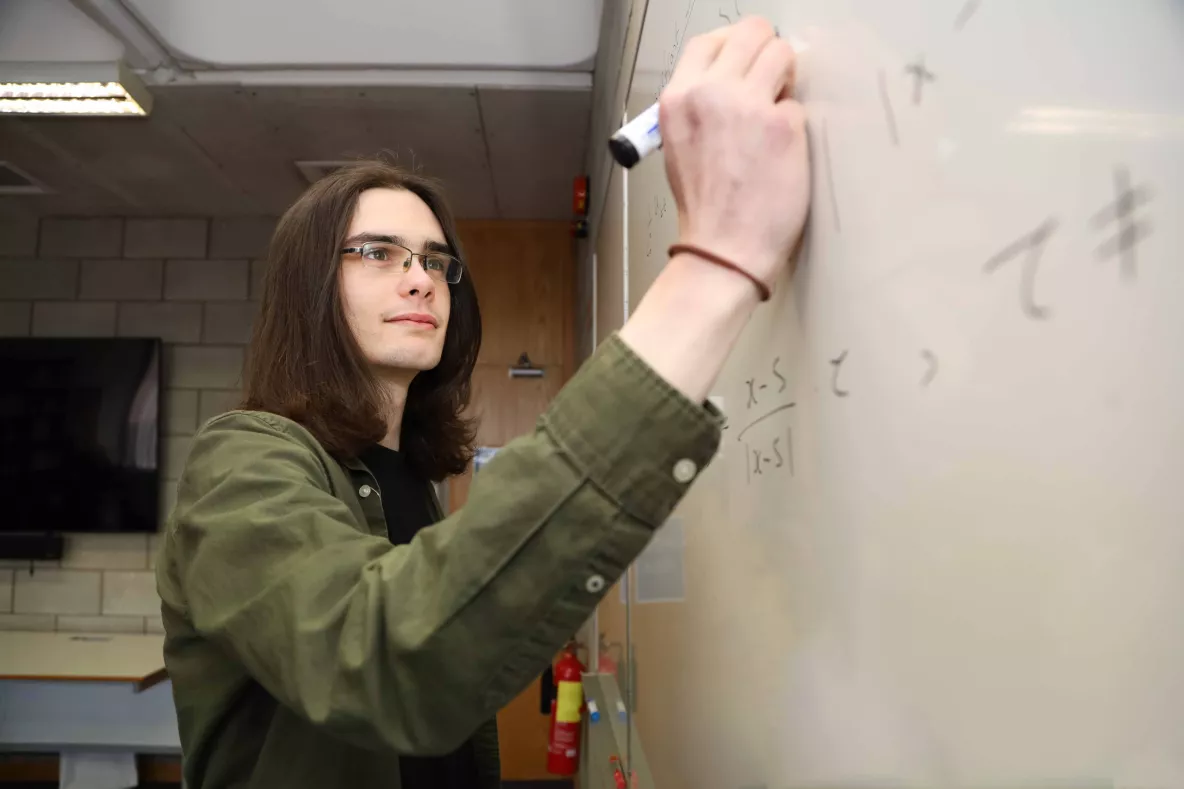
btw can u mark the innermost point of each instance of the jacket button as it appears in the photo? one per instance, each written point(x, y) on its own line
point(364, 491)
point(685, 470)
point(595, 584)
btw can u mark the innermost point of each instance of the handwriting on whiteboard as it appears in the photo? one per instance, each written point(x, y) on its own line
point(757, 385)
point(763, 417)
point(1117, 217)
point(830, 177)
point(889, 114)
point(1032, 243)
point(772, 456)
point(767, 439)
point(920, 75)
point(837, 363)
point(658, 211)
point(1121, 213)
point(965, 14)
point(931, 366)
point(732, 13)
point(675, 49)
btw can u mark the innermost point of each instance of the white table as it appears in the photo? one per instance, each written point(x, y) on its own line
point(96, 700)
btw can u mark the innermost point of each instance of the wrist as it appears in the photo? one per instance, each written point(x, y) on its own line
point(762, 289)
point(688, 321)
point(746, 249)
point(708, 288)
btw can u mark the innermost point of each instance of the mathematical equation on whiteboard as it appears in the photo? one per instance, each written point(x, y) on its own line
point(1118, 224)
point(764, 427)
point(767, 438)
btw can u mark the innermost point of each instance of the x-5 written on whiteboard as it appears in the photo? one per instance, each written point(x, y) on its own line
point(767, 439)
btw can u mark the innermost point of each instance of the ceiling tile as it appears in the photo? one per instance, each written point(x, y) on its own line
point(147, 162)
point(75, 188)
point(537, 140)
point(231, 150)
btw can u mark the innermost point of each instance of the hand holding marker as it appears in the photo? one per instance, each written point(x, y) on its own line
point(735, 152)
point(639, 137)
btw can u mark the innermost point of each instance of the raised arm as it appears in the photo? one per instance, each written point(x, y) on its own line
point(735, 146)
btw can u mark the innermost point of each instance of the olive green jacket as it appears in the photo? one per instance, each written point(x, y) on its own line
point(307, 651)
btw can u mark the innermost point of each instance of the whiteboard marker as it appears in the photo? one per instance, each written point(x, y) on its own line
point(637, 139)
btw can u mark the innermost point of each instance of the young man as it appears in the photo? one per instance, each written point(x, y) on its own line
point(319, 633)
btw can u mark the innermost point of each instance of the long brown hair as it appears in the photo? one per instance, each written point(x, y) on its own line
point(303, 361)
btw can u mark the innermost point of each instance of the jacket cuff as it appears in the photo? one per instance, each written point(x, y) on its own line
point(631, 433)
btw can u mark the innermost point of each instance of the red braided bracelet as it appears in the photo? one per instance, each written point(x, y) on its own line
point(711, 257)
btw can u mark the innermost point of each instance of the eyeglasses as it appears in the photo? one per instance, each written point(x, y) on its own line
point(386, 256)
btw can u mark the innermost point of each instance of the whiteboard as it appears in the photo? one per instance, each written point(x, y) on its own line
point(943, 545)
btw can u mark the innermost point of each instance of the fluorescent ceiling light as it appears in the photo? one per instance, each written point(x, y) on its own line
point(107, 88)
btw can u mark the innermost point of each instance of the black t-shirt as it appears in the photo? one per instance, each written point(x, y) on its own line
point(406, 503)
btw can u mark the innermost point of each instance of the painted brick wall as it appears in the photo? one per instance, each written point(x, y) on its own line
point(192, 282)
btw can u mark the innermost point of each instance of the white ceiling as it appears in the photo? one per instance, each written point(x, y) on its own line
point(32, 30)
point(224, 140)
point(520, 34)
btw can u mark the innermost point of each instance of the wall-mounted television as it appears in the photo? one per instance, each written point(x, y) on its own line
point(79, 435)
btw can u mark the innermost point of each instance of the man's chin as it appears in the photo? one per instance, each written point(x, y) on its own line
point(409, 362)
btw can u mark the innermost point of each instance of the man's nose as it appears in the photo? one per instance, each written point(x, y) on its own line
point(416, 281)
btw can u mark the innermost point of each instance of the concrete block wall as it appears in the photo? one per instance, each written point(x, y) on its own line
point(192, 282)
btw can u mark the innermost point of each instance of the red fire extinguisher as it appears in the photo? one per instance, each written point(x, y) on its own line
point(563, 748)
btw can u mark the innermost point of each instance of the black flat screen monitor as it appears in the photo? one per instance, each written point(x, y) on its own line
point(79, 434)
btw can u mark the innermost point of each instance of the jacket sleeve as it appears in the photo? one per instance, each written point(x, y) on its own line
point(413, 647)
point(489, 759)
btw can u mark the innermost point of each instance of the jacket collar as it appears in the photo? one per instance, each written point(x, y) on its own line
point(357, 466)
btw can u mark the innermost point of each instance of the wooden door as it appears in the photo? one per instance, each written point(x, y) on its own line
point(525, 277)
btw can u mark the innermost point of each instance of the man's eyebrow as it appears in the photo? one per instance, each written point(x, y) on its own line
point(429, 246)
